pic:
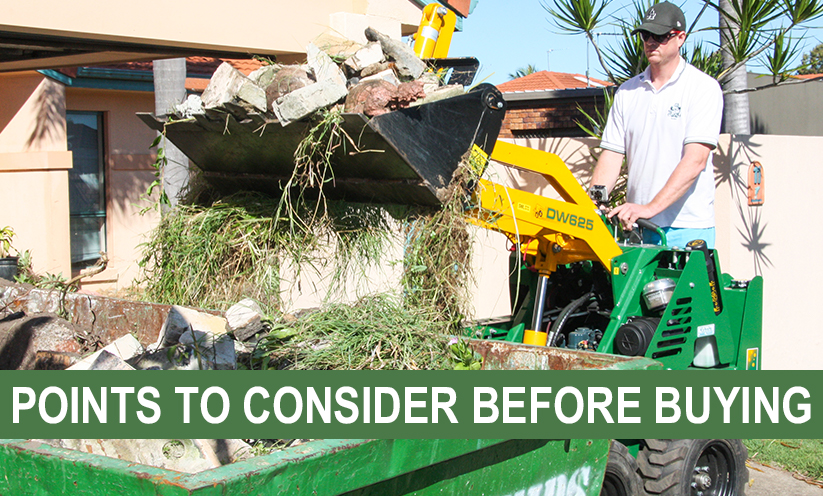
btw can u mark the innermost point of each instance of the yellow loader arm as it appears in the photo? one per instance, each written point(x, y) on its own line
point(553, 231)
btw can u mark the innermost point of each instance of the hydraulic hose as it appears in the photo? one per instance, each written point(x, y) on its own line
point(564, 316)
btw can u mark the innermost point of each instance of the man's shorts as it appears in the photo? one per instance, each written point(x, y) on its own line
point(680, 236)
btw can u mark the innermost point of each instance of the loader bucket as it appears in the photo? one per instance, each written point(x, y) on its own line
point(405, 157)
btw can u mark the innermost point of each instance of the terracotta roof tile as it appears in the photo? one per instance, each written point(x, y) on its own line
point(195, 65)
point(807, 76)
point(545, 80)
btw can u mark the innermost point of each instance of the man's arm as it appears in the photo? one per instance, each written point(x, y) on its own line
point(688, 169)
point(607, 169)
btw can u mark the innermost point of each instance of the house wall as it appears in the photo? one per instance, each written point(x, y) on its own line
point(34, 164)
point(128, 174)
point(547, 118)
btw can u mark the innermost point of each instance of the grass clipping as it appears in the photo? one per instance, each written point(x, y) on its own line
point(214, 254)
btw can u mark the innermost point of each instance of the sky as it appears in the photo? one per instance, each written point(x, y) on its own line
point(506, 35)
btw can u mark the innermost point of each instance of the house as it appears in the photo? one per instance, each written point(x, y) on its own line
point(767, 106)
point(74, 159)
point(548, 104)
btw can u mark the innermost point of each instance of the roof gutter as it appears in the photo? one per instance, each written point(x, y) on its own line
point(528, 96)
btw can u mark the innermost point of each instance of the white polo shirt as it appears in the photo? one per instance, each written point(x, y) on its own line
point(650, 127)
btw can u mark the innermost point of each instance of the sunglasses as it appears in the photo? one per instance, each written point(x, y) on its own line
point(659, 38)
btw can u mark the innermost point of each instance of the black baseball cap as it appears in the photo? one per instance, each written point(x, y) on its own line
point(662, 18)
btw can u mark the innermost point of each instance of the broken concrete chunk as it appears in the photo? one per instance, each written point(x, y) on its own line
point(181, 319)
point(109, 361)
point(386, 75)
point(263, 76)
point(31, 333)
point(407, 63)
point(191, 107)
point(431, 82)
point(323, 66)
point(213, 351)
point(381, 68)
point(370, 54)
point(230, 85)
point(441, 94)
point(305, 101)
point(124, 348)
point(286, 80)
point(245, 319)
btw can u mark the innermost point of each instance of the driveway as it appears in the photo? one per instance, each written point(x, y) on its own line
point(767, 481)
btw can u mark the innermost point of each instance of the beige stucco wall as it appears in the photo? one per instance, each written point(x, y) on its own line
point(128, 174)
point(776, 240)
point(34, 168)
point(262, 27)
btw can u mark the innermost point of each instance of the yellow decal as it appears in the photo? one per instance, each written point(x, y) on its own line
point(478, 160)
point(524, 207)
point(752, 359)
point(616, 271)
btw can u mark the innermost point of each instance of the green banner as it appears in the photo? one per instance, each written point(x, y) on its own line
point(411, 404)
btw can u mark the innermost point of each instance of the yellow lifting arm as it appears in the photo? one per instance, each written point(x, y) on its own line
point(554, 231)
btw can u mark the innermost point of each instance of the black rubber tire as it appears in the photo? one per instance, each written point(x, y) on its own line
point(622, 477)
point(694, 467)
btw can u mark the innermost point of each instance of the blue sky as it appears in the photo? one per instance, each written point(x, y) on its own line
point(509, 34)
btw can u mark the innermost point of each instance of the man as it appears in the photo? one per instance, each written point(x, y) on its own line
point(666, 121)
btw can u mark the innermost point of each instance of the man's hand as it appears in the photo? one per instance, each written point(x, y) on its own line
point(628, 213)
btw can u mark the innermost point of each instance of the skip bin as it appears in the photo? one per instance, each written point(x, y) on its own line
point(326, 467)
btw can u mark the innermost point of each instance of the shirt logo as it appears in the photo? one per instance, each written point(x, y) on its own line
point(674, 111)
point(651, 15)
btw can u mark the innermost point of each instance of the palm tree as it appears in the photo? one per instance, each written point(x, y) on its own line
point(746, 28)
point(523, 71)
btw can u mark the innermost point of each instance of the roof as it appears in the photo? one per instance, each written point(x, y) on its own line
point(545, 80)
point(807, 76)
point(198, 69)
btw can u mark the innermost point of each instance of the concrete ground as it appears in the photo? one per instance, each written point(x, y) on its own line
point(767, 481)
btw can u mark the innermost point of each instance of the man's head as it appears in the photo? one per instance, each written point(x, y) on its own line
point(662, 18)
point(663, 31)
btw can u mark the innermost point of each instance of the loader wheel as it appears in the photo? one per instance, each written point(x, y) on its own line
point(694, 467)
point(622, 478)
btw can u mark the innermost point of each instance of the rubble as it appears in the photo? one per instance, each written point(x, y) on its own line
point(245, 319)
point(288, 93)
point(407, 62)
point(182, 455)
point(307, 100)
point(23, 335)
point(228, 85)
point(123, 348)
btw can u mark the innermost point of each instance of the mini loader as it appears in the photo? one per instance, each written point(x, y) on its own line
point(577, 282)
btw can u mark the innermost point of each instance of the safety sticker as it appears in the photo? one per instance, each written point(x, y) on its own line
point(752, 359)
point(524, 207)
point(705, 330)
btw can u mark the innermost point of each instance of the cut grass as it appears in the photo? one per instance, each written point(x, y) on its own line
point(376, 333)
point(803, 456)
point(214, 253)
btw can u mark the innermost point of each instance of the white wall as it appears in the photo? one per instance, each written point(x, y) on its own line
point(777, 240)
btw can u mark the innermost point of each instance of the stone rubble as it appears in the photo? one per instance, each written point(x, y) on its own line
point(289, 93)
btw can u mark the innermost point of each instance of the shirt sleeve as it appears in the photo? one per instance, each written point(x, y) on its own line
point(705, 112)
point(614, 134)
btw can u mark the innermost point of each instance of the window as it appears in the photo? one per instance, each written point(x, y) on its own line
point(87, 191)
